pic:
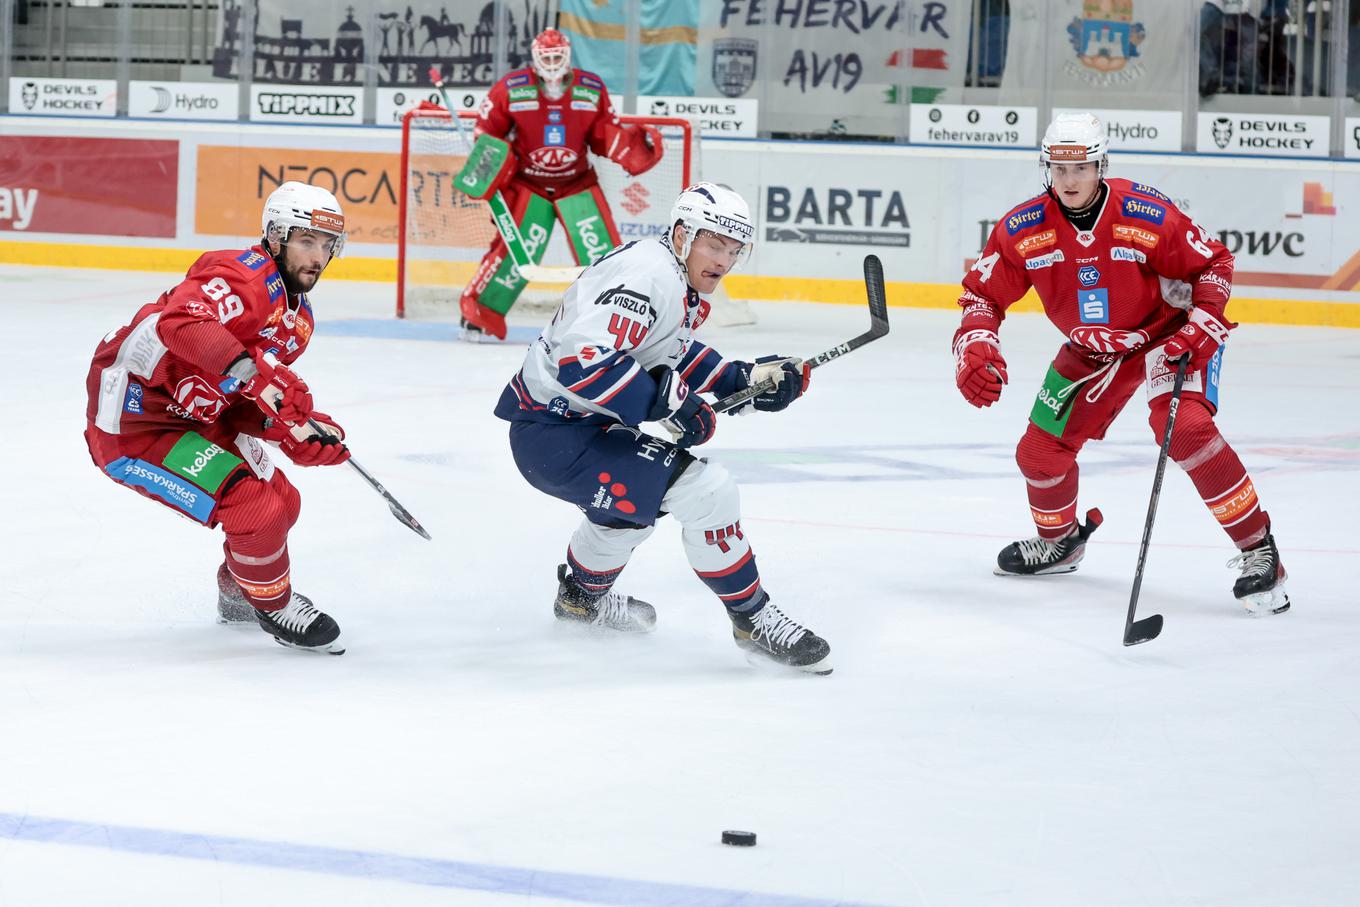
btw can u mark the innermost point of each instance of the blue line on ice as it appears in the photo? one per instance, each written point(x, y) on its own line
point(384, 867)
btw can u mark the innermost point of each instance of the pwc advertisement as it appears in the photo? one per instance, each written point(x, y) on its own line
point(233, 182)
point(88, 186)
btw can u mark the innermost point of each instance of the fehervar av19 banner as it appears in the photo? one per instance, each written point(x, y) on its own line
point(89, 186)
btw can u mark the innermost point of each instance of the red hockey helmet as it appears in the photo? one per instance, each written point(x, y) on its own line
point(551, 54)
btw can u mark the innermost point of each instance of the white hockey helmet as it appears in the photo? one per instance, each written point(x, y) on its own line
point(717, 209)
point(550, 57)
point(298, 205)
point(1074, 138)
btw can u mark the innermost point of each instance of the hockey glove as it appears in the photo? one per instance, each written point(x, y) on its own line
point(275, 388)
point(684, 414)
point(1199, 338)
point(305, 446)
point(636, 149)
point(790, 376)
point(979, 369)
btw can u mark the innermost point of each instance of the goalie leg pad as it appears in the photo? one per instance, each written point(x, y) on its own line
point(707, 503)
point(589, 224)
point(498, 283)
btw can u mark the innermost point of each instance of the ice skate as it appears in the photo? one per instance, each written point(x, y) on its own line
point(769, 634)
point(1260, 588)
point(232, 607)
point(299, 625)
point(480, 324)
point(612, 610)
point(1039, 556)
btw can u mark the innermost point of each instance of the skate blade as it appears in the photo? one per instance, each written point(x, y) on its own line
point(770, 666)
point(334, 647)
point(1264, 604)
point(1048, 571)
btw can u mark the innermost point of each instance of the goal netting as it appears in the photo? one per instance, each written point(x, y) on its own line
point(443, 234)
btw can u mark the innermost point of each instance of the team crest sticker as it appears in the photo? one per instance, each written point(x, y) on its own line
point(734, 65)
point(1106, 41)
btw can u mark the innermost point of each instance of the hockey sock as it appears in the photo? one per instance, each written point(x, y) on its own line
point(706, 502)
point(597, 554)
point(1051, 479)
point(1217, 473)
point(256, 516)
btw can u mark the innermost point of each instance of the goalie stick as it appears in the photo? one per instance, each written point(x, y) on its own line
point(500, 212)
point(401, 513)
point(878, 327)
point(1145, 630)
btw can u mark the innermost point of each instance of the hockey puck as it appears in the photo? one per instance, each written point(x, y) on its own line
point(739, 838)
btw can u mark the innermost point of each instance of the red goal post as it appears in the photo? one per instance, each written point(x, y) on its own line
point(443, 234)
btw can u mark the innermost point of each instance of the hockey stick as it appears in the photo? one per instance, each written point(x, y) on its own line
point(1136, 631)
point(500, 212)
point(878, 327)
point(401, 513)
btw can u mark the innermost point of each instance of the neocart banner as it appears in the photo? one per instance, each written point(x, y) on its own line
point(823, 67)
point(1125, 52)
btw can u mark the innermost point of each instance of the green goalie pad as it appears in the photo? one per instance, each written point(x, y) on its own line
point(489, 165)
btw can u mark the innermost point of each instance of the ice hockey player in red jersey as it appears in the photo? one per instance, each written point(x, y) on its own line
point(181, 397)
point(1134, 285)
point(550, 115)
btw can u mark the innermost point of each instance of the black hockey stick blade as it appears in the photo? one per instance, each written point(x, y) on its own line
point(1144, 630)
point(878, 327)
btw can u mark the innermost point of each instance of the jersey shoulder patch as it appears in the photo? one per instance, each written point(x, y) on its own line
point(589, 79)
point(1027, 214)
point(1149, 191)
point(518, 77)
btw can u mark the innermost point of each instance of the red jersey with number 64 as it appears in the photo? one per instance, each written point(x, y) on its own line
point(1126, 282)
point(165, 368)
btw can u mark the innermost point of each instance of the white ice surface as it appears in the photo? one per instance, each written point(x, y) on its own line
point(983, 741)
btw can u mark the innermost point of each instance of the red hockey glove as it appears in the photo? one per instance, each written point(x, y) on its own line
point(305, 446)
point(685, 415)
point(790, 376)
point(636, 149)
point(1199, 338)
point(979, 369)
point(275, 388)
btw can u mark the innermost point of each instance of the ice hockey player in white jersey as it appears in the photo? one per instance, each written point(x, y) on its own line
point(621, 352)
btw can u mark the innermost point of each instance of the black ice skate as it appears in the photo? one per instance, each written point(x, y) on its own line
point(1039, 556)
point(770, 634)
point(612, 610)
point(299, 625)
point(1260, 588)
point(232, 606)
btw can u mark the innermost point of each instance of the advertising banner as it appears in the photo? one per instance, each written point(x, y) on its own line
point(184, 100)
point(729, 118)
point(1351, 140)
point(90, 186)
point(959, 124)
point(1264, 133)
point(234, 181)
point(63, 97)
point(394, 102)
point(301, 104)
point(1135, 130)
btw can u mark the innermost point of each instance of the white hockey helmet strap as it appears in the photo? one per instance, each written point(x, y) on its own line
point(1074, 138)
point(295, 205)
point(715, 208)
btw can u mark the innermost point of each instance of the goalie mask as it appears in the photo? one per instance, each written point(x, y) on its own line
point(717, 209)
point(551, 56)
point(1074, 138)
point(297, 205)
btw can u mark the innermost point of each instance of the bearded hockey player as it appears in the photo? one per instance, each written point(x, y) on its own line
point(1135, 286)
point(182, 396)
point(533, 132)
point(620, 352)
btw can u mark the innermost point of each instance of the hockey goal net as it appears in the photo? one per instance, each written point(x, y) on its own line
point(443, 234)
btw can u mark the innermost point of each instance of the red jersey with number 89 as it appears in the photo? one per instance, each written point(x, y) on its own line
point(1126, 282)
point(165, 368)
